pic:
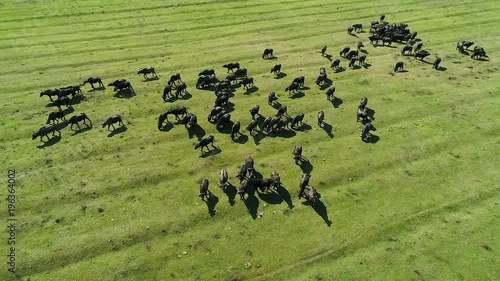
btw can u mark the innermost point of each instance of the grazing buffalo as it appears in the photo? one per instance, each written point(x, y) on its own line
point(322, 71)
point(299, 80)
point(174, 78)
point(281, 124)
point(312, 196)
point(62, 101)
point(94, 80)
point(323, 50)
point(298, 119)
point(146, 71)
point(167, 92)
point(204, 192)
point(398, 66)
point(242, 172)
point(282, 111)
point(382, 18)
point(271, 98)
point(352, 62)
point(262, 184)
point(231, 66)
point(272, 124)
point(361, 114)
point(265, 124)
point(181, 88)
point(387, 40)
point(44, 131)
point(362, 60)
point(163, 116)
point(116, 82)
point(232, 77)
point(207, 72)
point(363, 103)
point(365, 132)
point(421, 55)
point(374, 39)
point(243, 189)
point(223, 120)
point(254, 111)
point(205, 142)
point(294, 87)
point(297, 154)
point(321, 118)
point(222, 87)
point(350, 29)
point(70, 90)
point(406, 50)
point(414, 35)
point(344, 51)
point(122, 86)
point(360, 46)
point(241, 73)
point(77, 118)
point(478, 53)
point(276, 69)
point(223, 178)
point(55, 115)
point(253, 124)
point(178, 111)
point(276, 180)
point(304, 182)
point(235, 130)
point(320, 80)
point(50, 94)
point(357, 27)
point(213, 113)
point(112, 120)
point(190, 120)
point(249, 163)
point(467, 44)
point(436, 63)
point(246, 82)
point(335, 64)
point(352, 54)
point(221, 100)
point(268, 53)
point(329, 93)
point(419, 47)
point(205, 81)
point(460, 47)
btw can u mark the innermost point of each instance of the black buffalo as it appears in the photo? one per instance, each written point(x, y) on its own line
point(436, 63)
point(268, 53)
point(223, 120)
point(344, 51)
point(406, 50)
point(298, 119)
point(204, 192)
point(252, 126)
point(94, 80)
point(44, 131)
point(297, 154)
point(246, 82)
point(223, 178)
point(205, 142)
point(294, 87)
point(365, 132)
point(235, 130)
point(276, 69)
point(254, 111)
point(77, 118)
point(271, 98)
point(207, 72)
point(249, 163)
point(299, 80)
point(213, 113)
point(304, 182)
point(398, 66)
point(323, 50)
point(112, 120)
point(329, 93)
point(231, 66)
point(335, 64)
point(55, 115)
point(321, 118)
point(146, 71)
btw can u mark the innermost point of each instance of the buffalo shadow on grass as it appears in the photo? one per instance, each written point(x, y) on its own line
point(280, 75)
point(53, 140)
point(285, 195)
point(305, 88)
point(336, 102)
point(227, 128)
point(251, 90)
point(328, 57)
point(303, 127)
point(285, 133)
point(306, 166)
point(372, 139)
point(270, 197)
point(154, 78)
point(167, 127)
point(252, 204)
point(423, 60)
point(258, 137)
point(328, 129)
point(241, 139)
point(276, 105)
point(355, 67)
point(97, 89)
point(216, 150)
point(326, 84)
point(370, 112)
point(76, 100)
point(124, 94)
point(339, 69)
point(296, 95)
point(441, 68)
point(367, 65)
point(353, 35)
point(81, 130)
point(482, 59)
point(196, 130)
point(273, 57)
point(321, 210)
point(211, 202)
point(231, 192)
point(185, 96)
point(229, 107)
point(118, 130)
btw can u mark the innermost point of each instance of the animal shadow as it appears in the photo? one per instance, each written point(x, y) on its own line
point(276, 105)
point(196, 130)
point(53, 140)
point(185, 96)
point(356, 67)
point(231, 192)
point(258, 137)
point(283, 193)
point(211, 203)
point(366, 65)
point(326, 84)
point(441, 68)
point(167, 127)
point(251, 90)
point(97, 89)
point(226, 129)
point(328, 57)
point(124, 94)
point(353, 35)
point(339, 69)
point(76, 100)
point(270, 197)
point(280, 75)
point(82, 130)
point(304, 127)
point(212, 152)
point(241, 139)
point(118, 130)
point(252, 204)
point(306, 166)
point(320, 209)
point(151, 79)
point(328, 129)
point(371, 113)
point(336, 102)
point(296, 95)
point(364, 51)
point(372, 139)
point(285, 133)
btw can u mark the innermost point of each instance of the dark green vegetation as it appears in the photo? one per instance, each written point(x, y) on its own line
point(421, 203)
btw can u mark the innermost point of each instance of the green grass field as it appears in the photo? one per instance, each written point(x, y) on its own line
point(421, 203)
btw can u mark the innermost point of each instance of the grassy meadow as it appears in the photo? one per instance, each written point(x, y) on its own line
point(418, 202)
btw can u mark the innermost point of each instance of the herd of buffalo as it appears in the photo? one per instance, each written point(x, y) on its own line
point(219, 115)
